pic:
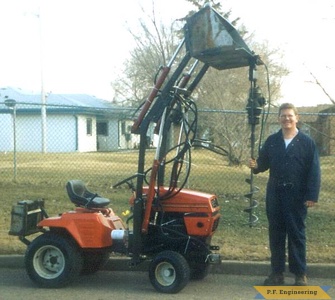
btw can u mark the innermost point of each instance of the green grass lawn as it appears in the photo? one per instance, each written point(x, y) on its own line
point(45, 175)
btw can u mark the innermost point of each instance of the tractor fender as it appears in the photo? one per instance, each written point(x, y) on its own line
point(89, 230)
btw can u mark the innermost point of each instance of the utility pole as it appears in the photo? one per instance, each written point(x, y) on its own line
point(43, 97)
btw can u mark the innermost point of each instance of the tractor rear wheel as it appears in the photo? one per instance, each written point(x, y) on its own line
point(169, 272)
point(53, 260)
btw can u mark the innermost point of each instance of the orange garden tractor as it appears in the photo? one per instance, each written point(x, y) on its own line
point(169, 226)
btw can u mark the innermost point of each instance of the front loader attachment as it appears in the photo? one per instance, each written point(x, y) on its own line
point(214, 42)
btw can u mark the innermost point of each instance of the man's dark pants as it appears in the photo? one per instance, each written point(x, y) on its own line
point(286, 218)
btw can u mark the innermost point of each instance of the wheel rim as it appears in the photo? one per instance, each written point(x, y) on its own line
point(165, 274)
point(49, 262)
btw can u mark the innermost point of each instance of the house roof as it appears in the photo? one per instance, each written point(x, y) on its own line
point(65, 103)
point(328, 109)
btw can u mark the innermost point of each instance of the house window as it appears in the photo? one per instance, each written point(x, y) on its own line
point(89, 126)
point(123, 127)
point(102, 128)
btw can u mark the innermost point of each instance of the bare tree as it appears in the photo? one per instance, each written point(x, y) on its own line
point(154, 44)
point(317, 82)
point(228, 90)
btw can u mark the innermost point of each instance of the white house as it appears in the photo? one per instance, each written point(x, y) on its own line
point(74, 122)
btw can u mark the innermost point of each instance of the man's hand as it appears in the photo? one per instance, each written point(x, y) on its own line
point(252, 163)
point(309, 203)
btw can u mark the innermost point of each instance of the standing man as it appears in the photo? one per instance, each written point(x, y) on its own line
point(294, 183)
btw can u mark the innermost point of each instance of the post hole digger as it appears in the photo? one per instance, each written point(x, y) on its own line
point(170, 226)
point(255, 105)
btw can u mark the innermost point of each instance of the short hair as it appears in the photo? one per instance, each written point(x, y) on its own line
point(287, 106)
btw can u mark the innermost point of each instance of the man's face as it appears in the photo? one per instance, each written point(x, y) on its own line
point(288, 119)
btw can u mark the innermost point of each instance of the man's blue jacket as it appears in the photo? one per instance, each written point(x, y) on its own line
point(296, 166)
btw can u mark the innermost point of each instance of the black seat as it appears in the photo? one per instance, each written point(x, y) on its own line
point(80, 196)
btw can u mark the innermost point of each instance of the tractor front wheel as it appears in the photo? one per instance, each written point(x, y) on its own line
point(169, 272)
point(53, 260)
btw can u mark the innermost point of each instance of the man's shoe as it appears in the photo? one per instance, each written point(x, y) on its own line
point(274, 279)
point(301, 280)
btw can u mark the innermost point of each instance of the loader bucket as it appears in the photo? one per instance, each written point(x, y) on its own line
point(214, 41)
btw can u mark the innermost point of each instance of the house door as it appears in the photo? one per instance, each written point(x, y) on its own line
point(102, 135)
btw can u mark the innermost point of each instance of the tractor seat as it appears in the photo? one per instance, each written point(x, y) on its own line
point(80, 196)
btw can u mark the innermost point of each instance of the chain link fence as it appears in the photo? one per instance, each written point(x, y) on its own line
point(98, 147)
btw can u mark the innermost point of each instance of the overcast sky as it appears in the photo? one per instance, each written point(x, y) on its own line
point(84, 42)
